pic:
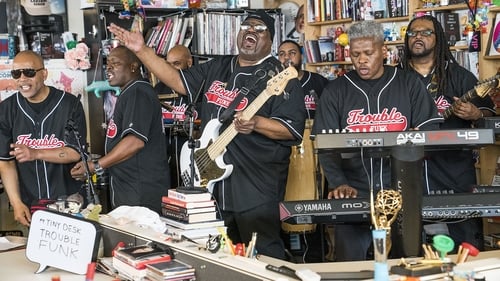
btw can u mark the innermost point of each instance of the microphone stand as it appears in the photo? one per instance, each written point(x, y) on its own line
point(192, 144)
point(92, 196)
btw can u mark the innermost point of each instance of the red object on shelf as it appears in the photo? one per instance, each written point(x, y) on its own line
point(473, 251)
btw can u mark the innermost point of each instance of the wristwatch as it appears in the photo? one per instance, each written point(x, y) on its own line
point(98, 170)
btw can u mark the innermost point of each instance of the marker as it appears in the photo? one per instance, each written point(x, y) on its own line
point(89, 276)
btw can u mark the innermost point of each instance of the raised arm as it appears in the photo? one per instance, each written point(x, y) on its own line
point(163, 71)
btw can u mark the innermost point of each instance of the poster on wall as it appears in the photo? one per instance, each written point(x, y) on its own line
point(493, 47)
point(289, 11)
point(59, 76)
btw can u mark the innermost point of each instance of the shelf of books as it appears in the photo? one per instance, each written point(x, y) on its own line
point(344, 11)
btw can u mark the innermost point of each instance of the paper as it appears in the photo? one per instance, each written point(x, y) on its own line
point(11, 242)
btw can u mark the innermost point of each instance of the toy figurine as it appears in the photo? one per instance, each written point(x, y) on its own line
point(74, 203)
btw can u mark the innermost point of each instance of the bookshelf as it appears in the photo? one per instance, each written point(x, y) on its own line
point(487, 64)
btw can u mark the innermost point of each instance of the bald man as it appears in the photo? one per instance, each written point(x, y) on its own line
point(179, 57)
point(36, 150)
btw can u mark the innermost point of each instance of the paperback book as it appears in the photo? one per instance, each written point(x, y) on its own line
point(189, 218)
point(188, 205)
point(171, 269)
point(182, 210)
point(139, 256)
point(185, 225)
point(189, 197)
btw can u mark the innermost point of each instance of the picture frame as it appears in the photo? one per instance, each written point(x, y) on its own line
point(493, 47)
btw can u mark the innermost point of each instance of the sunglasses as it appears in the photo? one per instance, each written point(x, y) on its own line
point(423, 33)
point(258, 27)
point(28, 72)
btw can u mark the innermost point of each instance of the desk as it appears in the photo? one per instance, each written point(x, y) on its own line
point(209, 266)
point(221, 266)
point(14, 266)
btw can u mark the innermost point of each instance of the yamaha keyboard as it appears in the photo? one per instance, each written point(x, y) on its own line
point(438, 138)
point(357, 210)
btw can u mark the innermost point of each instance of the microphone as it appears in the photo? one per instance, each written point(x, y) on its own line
point(92, 196)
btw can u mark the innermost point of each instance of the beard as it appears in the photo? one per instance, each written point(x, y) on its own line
point(423, 53)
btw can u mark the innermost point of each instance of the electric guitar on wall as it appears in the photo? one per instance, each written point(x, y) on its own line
point(208, 162)
point(485, 87)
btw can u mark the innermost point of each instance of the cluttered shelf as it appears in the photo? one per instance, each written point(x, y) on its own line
point(349, 20)
point(442, 8)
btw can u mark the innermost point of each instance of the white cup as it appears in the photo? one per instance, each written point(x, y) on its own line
point(443, 3)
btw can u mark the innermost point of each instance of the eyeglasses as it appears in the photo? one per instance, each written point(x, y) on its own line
point(423, 33)
point(28, 72)
point(258, 27)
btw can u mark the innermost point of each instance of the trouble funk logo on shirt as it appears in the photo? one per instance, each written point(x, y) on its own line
point(111, 132)
point(442, 104)
point(46, 142)
point(218, 95)
point(376, 122)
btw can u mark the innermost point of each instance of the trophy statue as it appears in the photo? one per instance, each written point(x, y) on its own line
point(384, 211)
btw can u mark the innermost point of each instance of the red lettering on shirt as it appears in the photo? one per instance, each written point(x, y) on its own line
point(310, 103)
point(177, 114)
point(112, 131)
point(442, 104)
point(218, 95)
point(376, 122)
point(46, 142)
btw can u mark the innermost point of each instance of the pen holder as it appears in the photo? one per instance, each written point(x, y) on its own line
point(380, 253)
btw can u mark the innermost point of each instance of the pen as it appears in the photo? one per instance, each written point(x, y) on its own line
point(89, 276)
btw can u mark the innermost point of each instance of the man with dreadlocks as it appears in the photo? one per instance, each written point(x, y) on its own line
point(427, 53)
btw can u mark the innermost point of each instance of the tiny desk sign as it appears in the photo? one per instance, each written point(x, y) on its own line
point(62, 241)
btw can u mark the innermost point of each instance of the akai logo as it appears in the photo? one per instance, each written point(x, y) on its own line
point(410, 137)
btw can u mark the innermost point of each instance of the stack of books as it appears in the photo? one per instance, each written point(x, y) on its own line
point(189, 211)
point(170, 270)
point(131, 262)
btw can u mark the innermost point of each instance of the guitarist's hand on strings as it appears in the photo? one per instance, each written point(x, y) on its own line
point(466, 110)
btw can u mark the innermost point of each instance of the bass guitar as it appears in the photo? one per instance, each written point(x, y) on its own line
point(483, 88)
point(209, 166)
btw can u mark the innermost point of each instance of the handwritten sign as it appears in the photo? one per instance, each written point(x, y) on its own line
point(62, 241)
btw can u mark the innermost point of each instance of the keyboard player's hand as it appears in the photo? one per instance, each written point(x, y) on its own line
point(343, 191)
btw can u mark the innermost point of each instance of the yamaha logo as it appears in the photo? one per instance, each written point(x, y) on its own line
point(313, 207)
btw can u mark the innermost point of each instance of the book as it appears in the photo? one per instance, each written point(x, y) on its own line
point(170, 268)
point(200, 204)
point(127, 271)
point(139, 256)
point(451, 26)
point(182, 210)
point(193, 234)
point(188, 35)
point(184, 225)
point(189, 218)
point(326, 46)
point(189, 197)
